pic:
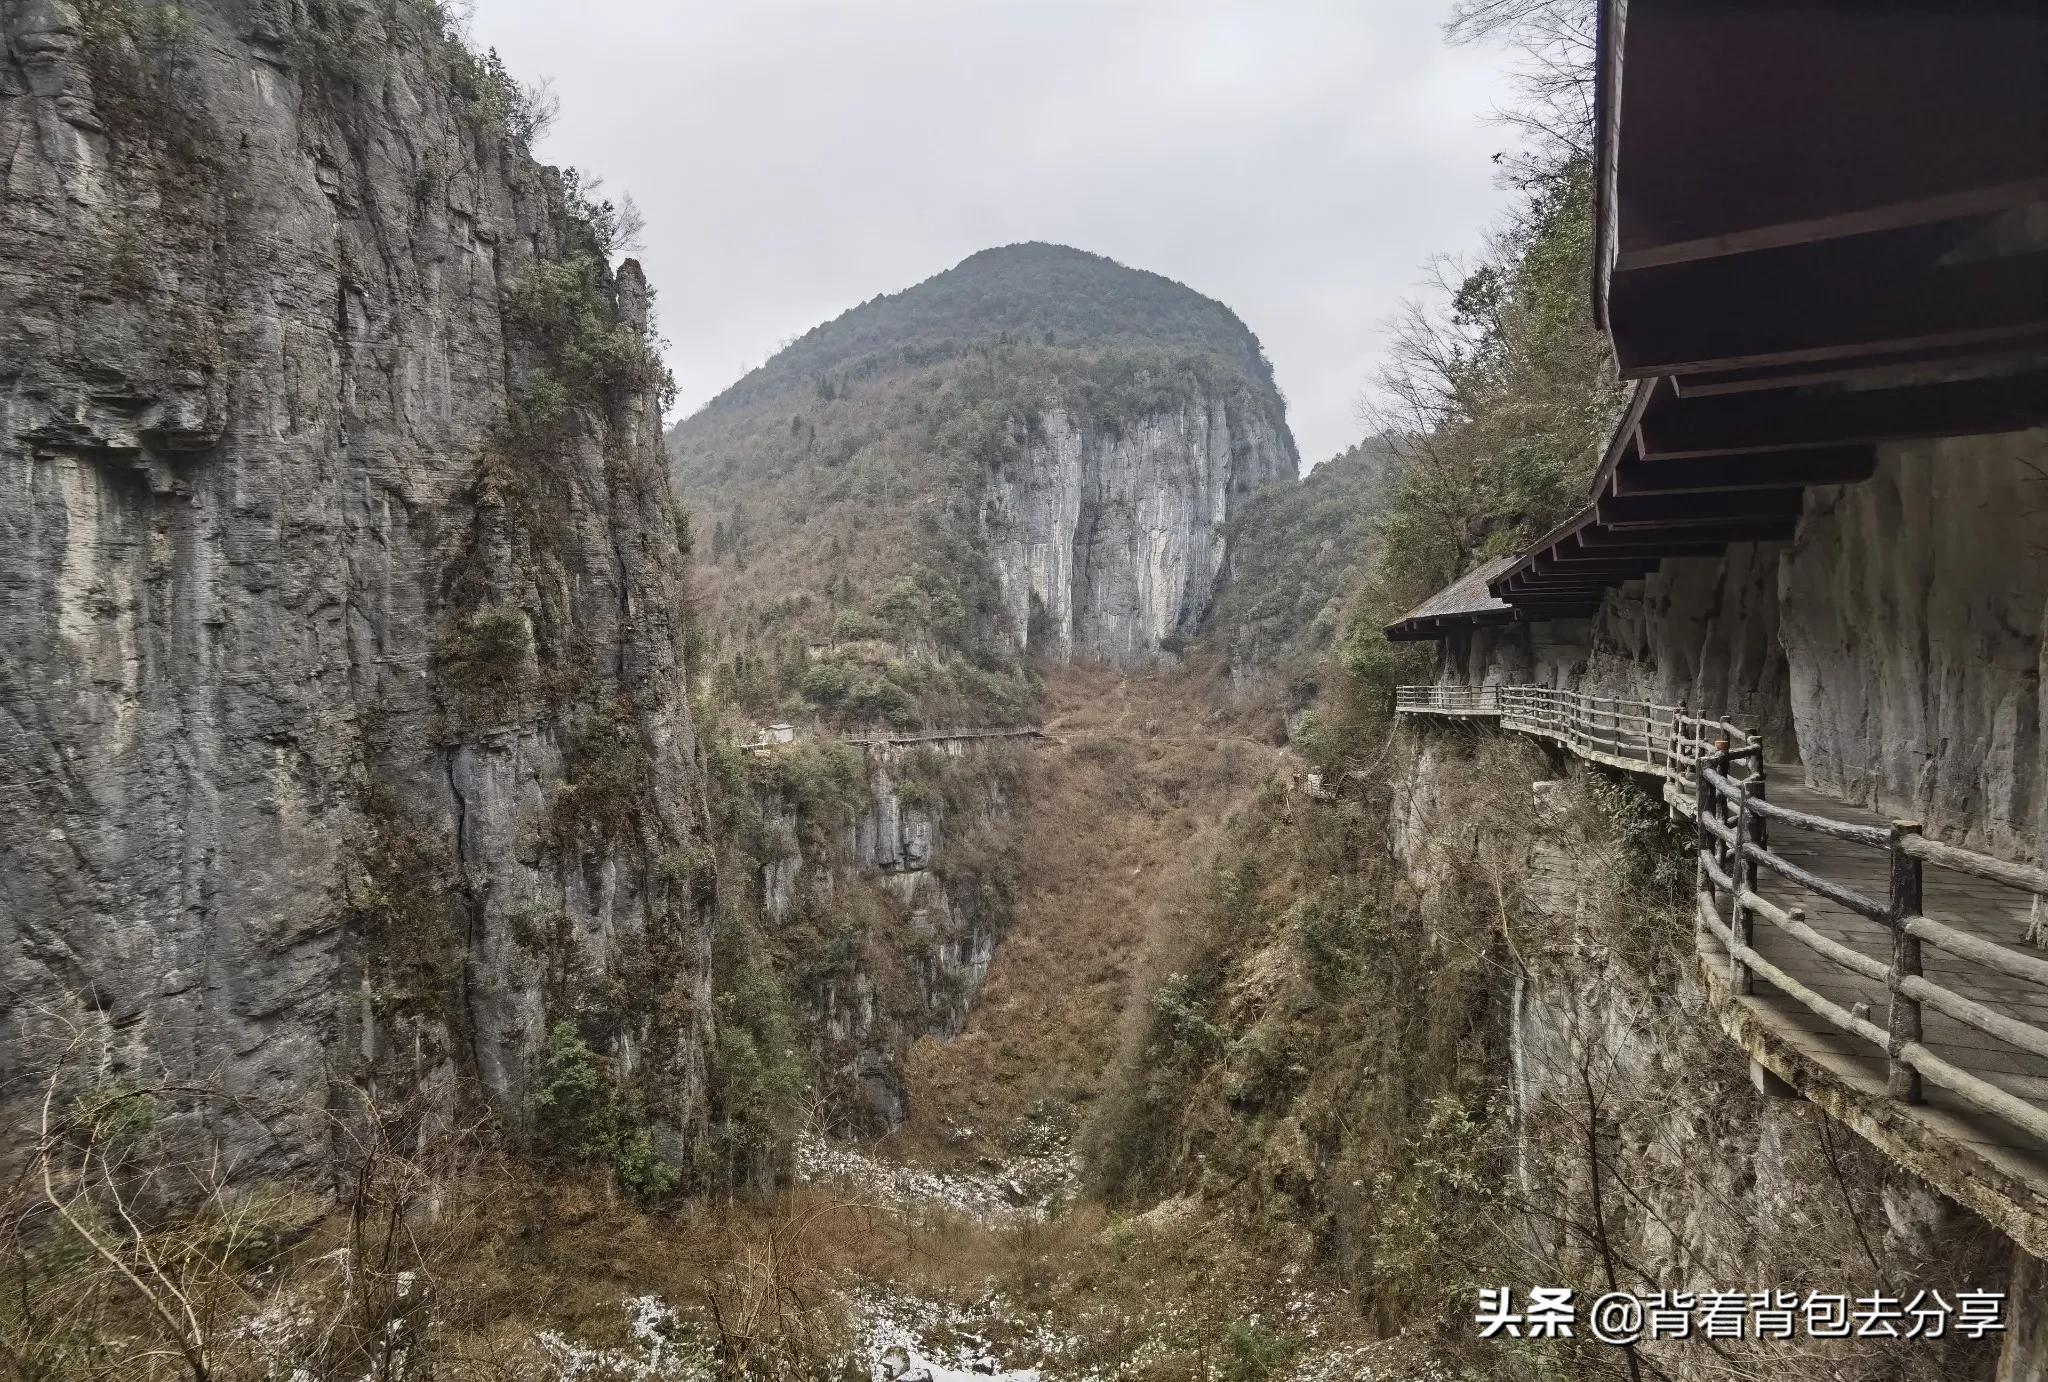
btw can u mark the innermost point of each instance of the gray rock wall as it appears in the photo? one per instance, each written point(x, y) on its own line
point(1911, 610)
point(1894, 646)
point(928, 926)
point(1109, 540)
point(254, 358)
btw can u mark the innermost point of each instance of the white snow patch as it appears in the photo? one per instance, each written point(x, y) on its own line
point(902, 1334)
point(1021, 1190)
point(660, 1351)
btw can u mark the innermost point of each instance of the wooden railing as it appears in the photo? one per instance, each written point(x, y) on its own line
point(1734, 814)
point(877, 740)
point(1441, 699)
point(1714, 768)
point(943, 736)
point(1643, 736)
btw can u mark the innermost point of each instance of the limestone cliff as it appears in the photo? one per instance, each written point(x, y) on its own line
point(1108, 541)
point(885, 904)
point(343, 587)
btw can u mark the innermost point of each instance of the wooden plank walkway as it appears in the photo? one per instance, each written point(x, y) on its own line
point(1996, 1162)
point(1981, 908)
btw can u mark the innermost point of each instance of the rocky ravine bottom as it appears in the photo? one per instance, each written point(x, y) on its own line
point(1008, 1274)
point(866, 1270)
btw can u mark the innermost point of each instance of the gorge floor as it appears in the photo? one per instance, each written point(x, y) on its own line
point(966, 1243)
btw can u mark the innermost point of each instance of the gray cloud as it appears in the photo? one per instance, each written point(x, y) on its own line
point(1298, 159)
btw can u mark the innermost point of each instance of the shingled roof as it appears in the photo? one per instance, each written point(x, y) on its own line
point(1465, 600)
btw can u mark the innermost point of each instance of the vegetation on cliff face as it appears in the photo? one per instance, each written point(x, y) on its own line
point(1045, 294)
point(1500, 394)
point(1431, 1040)
point(1297, 553)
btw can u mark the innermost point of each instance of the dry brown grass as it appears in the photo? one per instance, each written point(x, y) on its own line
point(1116, 831)
point(1156, 1298)
point(764, 1289)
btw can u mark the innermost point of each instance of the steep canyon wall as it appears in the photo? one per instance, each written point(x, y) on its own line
point(343, 600)
point(886, 908)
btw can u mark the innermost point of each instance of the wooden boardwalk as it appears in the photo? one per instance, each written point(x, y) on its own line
point(1981, 908)
point(1954, 1086)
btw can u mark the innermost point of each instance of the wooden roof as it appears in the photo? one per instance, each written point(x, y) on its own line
point(1464, 601)
point(1784, 184)
point(1818, 227)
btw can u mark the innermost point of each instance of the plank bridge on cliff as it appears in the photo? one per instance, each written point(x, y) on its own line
point(1894, 980)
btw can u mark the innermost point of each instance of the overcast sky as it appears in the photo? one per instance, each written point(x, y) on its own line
point(1300, 160)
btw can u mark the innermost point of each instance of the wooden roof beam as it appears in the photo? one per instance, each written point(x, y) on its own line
point(1711, 536)
point(1634, 547)
point(1577, 576)
point(1915, 211)
point(1838, 300)
point(1834, 465)
point(1557, 564)
point(1693, 510)
point(1555, 592)
point(1574, 611)
point(1725, 424)
point(2023, 351)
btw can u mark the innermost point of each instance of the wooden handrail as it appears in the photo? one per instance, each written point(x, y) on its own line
point(2012, 963)
point(1722, 764)
point(1725, 854)
point(1814, 883)
point(2024, 877)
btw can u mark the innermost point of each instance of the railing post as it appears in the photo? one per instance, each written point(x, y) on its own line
point(1903, 1027)
point(1760, 824)
point(1702, 796)
point(1742, 872)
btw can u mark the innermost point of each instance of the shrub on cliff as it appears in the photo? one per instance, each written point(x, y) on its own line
point(581, 1118)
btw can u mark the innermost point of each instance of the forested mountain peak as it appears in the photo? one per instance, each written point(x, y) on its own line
point(1036, 451)
point(1043, 294)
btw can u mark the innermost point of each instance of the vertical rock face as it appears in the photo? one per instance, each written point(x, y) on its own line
point(1108, 540)
point(917, 869)
point(1911, 610)
point(260, 338)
